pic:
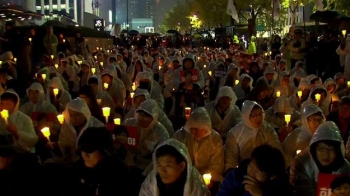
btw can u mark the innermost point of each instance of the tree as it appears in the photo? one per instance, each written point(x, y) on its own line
point(212, 13)
point(177, 18)
point(342, 6)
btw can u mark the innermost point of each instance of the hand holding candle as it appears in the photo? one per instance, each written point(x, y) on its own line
point(46, 132)
point(5, 115)
point(207, 178)
point(106, 112)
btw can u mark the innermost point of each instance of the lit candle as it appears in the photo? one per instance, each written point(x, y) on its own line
point(270, 52)
point(318, 97)
point(236, 82)
point(159, 67)
point(30, 39)
point(348, 83)
point(80, 62)
point(209, 73)
point(101, 63)
point(207, 178)
point(0, 62)
point(97, 48)
point(46, 132)
point(298, 151)
point(64, 40)
point(106, 112)
point(343, 32)
point(205, 66)
point(133, 86)
point(55, 91)
point(117, 121)
point(43, 76)
point(15, 59)
point(99, 101)
point(52, 56)
point(132, 95)
point(5, 115)
point(300, 93)
point(56, 65)
point(107, 51)
point(95, 57)
point(105, 85)
point(265, 53)
point(187, 112)
point(93, 70)
point(287, 118)
point(60, 118)
point(278, 94)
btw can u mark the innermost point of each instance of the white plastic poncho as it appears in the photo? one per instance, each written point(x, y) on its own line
point(27, 135)
point(243, 138)
point(65, 96)
point(106, 99)
point(207, 154)
point(68, 137)
point(270, 70)
point(236, 77)
point(42, 105)
point(300, 138)
point(345, 52)
point(238, 88)
point(294, 99)
point(304, 171)
point(194, 185)
point(281, 105)
point(325, 103)
point(52, 72)
point(285, 90)
point(149, 137)
point(334, 96)
point(116, 89)
point(162, 118)
point(155, 88)
point(232, 114)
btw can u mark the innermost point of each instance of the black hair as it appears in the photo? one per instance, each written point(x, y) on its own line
point(107, 74)
point(113, 59)
point(9, 96)
point(313, 81)
point(269, 159)
point(345, 100)
point(96, 138)
point(339, 181)
point(338, 161)
point(144, 113)
point(87, 90)
point(318, 91)
point(120, 129)
point(93, 106)
point(171, 151)
point(3, 71)
point(93, 81)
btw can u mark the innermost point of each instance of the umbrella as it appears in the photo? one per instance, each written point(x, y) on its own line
point(204, 32)
point(133, 32)
point(54, 23)
point(173, 32)
point(324, 16)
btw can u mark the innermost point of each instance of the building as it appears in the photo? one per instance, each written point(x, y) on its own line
point(296, 16)
point(142, 25)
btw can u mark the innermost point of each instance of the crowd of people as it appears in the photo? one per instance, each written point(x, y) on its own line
point(176, 121)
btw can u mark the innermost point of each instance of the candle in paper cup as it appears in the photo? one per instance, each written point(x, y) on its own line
point(15, 59)
point(209, 73)
point(60, 118)
point(5, 114)
point(343, 32)
point(236, 82)
point(52, 56)
point(265, 53)
point(43, 76)
point(107, 51)
point(287, 118)
point(207, 178)
point(97, 48)
point(348, 83)
point(117, 121)
point(55, 91)
point(132, 95)
point(93, 70)
point(278, 94)
point(298, 151)
point(133, 86)
point(187, 112)
point(80, 62)
point(0, 62)
point(205, 66)
point(105, 85)
point(56, 65)
point(46, 132)
point(95, 57)
point(106, 111)
point(64, 40)
point(99, 101)
point(30, 39)
point(318, 97)
point(101, 63)
point(300, 93)
point(270, 52)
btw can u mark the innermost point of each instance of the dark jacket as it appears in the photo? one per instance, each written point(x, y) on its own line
point(334, 117)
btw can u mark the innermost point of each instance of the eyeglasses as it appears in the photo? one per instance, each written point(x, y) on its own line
point(326, 150)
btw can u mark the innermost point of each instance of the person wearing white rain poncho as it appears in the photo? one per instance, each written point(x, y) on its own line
point(284, 85)
point(331, 87)
point(62, 98)
point(344, 50)
point(140, 96)
point(270, 75)
point(296, 101)
point(144, 80)
point(77, 118)
point(299, 139)
point(323, 102)
point(325, 155)
point(173, 173)
point(251, 132)
point(36, 101)
point(100, 94)
point(203, 143)
point(275, 116)
point(232, 75)
point(244, 86)
point(18, 124)
point(223, 112)
point(150, 133)
point(115, 88)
